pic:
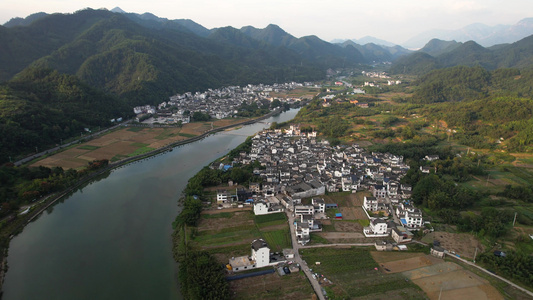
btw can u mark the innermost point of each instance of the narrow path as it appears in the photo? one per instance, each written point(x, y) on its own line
point(298, 259)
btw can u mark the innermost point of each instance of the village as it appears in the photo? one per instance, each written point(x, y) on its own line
point(217, 103)
point(296, 166)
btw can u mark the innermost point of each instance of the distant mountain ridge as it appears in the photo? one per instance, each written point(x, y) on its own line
point(439, 54)
point(482, 34)
point(366, 40)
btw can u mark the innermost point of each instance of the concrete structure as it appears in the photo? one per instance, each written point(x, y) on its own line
point(377, 228)
point(265, 208)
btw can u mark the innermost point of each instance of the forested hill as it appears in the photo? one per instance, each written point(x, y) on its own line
point(485, 108)
point(42, 108)
point(54, 67)
point(140, 64)
point(440, 54)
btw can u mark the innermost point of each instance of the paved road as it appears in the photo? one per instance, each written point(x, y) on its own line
point(299, 260)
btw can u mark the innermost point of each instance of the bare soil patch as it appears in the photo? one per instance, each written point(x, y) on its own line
point(272, 286)
point(461, 243)
point(459, 284)
point(409, 263)
point(349, 213)
point(348, 227)
point(341, 235)
point(386, 256)
point(239, 218)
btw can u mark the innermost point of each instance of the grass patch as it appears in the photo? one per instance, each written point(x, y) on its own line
point(364, 222)
point(118, 157)
point(140, 151)
point(225, 215)
point(269, 220)
point(88, 147)
point(135, 129)
point(140, 145)
point(278, 240)
point(353, 274)
point(317, 239)
point(187, 135)
point(165, 135)
point(227, 237)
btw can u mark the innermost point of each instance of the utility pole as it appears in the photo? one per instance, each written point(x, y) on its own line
point(486, 184)
point(475, 254)
point(514, 220)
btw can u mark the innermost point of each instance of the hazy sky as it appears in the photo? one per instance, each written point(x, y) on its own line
point(392, 20)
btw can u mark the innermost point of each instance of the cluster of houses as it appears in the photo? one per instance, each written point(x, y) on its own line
point(218, 103)
point(381, 75)
point(297, 165)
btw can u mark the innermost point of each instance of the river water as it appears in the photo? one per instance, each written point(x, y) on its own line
point(111, 239)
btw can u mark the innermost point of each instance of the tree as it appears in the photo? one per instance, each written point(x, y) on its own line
point(200, 117)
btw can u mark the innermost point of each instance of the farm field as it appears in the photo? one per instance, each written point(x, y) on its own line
point(272, 286)
point(350, 228)
point(228, 233)
point(463, 244)
point(126, 142)
point(438, 278)
point(352, 273)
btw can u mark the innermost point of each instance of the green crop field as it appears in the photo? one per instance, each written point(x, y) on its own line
point(140, 145)
point(353, 274)
point(88, 147)
point(187, 135)
point(263, 221)
point(165, 134)
point(278, 240)
point(140, 151)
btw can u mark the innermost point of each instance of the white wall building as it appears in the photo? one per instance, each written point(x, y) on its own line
point(370, 203)
point(260, 253)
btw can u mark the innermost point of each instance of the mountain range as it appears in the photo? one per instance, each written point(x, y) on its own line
point(482, 34)
point(58, 70)
point(437, 54)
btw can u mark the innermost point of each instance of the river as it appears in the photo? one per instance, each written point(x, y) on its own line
point(111, 239)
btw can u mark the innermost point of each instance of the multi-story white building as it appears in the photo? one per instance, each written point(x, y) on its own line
point(377, 228)
point(260, 253)
point(370, 203)
point(304, 210)
point(413, 217)
point(222, 196)
point(319, 205)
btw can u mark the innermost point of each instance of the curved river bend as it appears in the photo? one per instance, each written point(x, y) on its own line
point(112, 238)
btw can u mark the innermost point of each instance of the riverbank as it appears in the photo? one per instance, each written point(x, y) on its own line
point(37, 210)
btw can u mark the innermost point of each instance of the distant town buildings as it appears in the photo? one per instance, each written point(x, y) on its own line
point(218, 103)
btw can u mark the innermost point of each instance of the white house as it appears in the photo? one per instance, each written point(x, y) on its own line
point(261, 257)
point(222, 196)
point(319, 205)
point(264, 208)
point(260, 253)
point(370, 203)
point(413, 218)
point(304, 210)
point(377, 228)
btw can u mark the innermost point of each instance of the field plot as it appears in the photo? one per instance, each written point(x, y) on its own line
point(433, 274)
point(228, 233)
point(272, 286)
point(127, 142)
point(461, 243)
point(353, 275)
